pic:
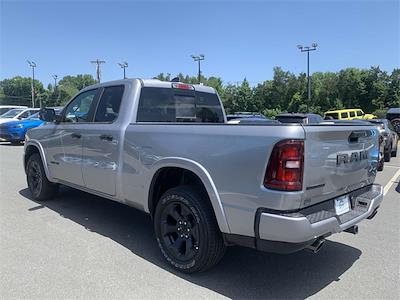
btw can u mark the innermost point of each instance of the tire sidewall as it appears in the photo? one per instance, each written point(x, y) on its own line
point(184, 198)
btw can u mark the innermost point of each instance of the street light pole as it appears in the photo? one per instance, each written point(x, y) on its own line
point(123, 65)
point(198, 58)
point(308, 49)
point(55, 81)
point(33, 66)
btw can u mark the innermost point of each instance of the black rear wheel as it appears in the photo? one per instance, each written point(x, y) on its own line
point(187, 231)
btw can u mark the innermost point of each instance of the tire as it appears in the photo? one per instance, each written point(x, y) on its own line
point(394, 152)
point(39, 186)
point(381, 164)
point(15, 142)
point(388, 154)
point(187, 231)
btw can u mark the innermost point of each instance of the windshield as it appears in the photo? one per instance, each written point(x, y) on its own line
point(33, 117)
point(11, 113)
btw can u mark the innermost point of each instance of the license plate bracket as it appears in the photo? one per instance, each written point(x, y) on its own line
point(342, 205)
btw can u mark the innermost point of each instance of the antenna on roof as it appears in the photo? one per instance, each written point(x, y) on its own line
point(175, 79)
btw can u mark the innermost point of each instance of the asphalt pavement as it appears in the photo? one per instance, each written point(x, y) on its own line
point(83, 246)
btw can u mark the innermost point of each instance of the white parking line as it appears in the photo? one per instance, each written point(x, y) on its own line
point(392, 166)
point(391, 181)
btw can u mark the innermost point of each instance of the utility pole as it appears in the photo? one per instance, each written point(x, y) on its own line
point(33, 66)
point(98, 63)
point(123, 65)
point(308, 49)
point(198, 58)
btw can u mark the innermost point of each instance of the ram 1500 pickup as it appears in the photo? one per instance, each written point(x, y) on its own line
point(166, 148)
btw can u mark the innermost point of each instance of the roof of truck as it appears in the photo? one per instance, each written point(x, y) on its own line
point(152, 83)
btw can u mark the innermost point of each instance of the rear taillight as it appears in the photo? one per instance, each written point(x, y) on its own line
point(285, 166)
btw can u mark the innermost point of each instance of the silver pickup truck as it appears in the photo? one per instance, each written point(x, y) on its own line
point(166, 148)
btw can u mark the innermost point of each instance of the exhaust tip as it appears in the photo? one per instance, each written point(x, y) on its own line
point(316, 246)
point(352, 229)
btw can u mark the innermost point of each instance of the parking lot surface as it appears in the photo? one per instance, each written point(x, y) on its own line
point(83, 246)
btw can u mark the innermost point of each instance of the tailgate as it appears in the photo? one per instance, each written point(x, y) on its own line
point(338, 159)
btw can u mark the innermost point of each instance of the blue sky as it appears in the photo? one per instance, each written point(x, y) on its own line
point(239, 38)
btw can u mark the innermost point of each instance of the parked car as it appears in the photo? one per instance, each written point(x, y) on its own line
point(166, 148)
point(14, 131)
point(6, 108)
point(302, 118)
point(245, 115)
point(348, 114)
point(18, 114)
point(390, 137)
point(393, 115)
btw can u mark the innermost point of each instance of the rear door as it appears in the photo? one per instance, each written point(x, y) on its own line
point(338, 159)
point(101, 141)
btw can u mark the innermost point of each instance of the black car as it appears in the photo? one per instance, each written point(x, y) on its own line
point(302, 118)
point(393, 115)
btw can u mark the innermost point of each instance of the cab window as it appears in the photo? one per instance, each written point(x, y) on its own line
point(359, 113)
point(344, 115)
point(352, 114)
point(78, 110)
point(109, 104)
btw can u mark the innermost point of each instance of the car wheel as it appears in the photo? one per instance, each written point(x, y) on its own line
point(15, 143)
point(39, 186)
point(388, 154)
point(381, 164)
point(187, 231)
point(394, 152)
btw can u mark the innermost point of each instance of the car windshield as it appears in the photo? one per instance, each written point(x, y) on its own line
point(11, 113)
point(33, 117)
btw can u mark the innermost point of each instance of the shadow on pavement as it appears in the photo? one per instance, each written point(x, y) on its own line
point(243, 272)
point(11, 144)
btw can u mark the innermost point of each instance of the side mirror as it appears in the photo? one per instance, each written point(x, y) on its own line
point(47, 114)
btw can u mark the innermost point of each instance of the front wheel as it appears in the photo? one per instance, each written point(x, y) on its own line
point(39, 186)
point(187, 231)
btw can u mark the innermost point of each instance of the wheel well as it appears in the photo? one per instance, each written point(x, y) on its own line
point(28, 153)
point(170, 177)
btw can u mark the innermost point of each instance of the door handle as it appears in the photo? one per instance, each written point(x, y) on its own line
point(75, 135)
point(106, 137)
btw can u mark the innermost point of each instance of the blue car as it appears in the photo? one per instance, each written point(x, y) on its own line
point(14, 131)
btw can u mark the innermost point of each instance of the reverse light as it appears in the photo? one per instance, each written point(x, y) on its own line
point(286, 166)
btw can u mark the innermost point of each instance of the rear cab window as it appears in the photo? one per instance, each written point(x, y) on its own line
point(344, 115)
point(352, 114)
point(174, 106)
point(109, 104)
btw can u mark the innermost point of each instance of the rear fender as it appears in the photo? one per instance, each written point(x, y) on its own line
point(204, 176)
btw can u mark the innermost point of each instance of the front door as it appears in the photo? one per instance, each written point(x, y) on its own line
point(66, 161)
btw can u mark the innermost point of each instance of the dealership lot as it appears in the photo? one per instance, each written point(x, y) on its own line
point(80, 245)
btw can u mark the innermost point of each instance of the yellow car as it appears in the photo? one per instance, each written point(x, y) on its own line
point(348, 114)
